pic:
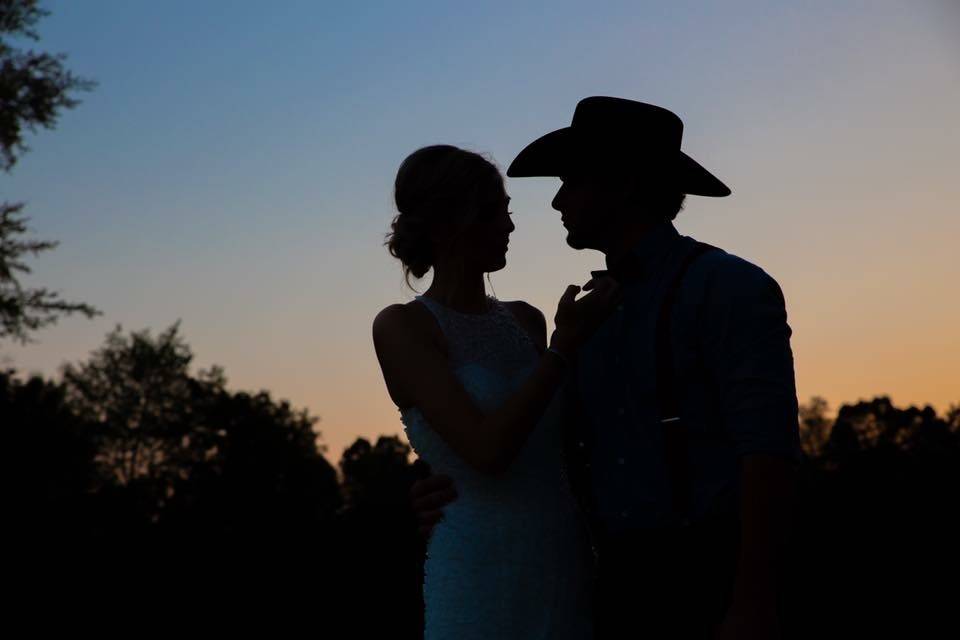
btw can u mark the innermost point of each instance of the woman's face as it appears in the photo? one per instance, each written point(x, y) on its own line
point(484, 240)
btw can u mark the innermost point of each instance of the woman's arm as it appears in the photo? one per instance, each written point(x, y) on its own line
point(419, 371)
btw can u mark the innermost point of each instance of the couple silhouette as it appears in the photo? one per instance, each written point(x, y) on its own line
point(631, 475)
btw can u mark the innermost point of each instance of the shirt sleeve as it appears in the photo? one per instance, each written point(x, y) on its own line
point(746, 345)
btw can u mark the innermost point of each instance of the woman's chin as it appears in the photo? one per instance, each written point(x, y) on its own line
point(497, 265)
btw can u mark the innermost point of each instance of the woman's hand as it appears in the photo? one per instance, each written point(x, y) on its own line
point(576, 320)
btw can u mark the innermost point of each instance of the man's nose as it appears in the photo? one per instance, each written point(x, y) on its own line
point(555, 203)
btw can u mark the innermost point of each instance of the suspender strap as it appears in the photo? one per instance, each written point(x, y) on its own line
point(668, 401)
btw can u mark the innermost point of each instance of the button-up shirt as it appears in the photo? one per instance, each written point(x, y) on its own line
point(734, 376)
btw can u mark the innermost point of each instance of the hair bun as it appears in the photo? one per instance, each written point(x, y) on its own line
point(409, 242)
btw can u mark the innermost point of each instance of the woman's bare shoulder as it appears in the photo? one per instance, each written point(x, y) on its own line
point(404, 336)
point(405, 321)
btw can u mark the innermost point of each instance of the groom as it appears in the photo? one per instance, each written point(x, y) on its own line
point(683, 447)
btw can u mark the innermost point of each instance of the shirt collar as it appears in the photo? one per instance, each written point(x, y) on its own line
point(646, 253)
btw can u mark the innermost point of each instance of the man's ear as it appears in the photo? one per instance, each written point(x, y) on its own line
point(629, 192)
point(632, 191)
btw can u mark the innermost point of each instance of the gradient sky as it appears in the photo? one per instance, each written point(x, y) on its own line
point(234, 170)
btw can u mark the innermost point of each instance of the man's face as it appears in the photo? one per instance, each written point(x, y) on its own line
point(591, 209)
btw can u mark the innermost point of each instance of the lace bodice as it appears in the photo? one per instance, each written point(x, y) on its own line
point(510, 558)
point(493, 339)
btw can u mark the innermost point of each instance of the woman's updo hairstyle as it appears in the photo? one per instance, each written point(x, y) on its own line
point(437, 189)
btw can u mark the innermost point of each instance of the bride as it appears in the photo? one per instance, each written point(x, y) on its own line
point(477, 389)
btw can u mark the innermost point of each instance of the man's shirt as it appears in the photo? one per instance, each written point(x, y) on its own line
point(734, 376)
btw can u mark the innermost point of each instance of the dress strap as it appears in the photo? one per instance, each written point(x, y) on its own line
point(435, 308)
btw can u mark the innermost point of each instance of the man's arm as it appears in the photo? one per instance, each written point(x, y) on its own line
point(747, 346)
point(767, 489)
point(428, 497)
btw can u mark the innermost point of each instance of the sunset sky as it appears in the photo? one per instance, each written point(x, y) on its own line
point(234, 167)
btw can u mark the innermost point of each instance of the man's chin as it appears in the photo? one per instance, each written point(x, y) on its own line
point(574, 241)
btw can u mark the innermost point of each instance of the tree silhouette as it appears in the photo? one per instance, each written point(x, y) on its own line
point(196, 481)
point(34, 89)
point(377, 476)
point(264, 476)
point(137, 480)
point(875, 518)
point(25, 310)
point(139, 390)
point(48, 455)
point(815, 426)
point(382, 559)
point(953, 418)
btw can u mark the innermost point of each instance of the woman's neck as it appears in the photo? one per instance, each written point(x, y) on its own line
point(466, 293)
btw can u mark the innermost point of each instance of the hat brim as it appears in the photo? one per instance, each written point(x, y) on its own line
point(546, 156)
point(555, 154)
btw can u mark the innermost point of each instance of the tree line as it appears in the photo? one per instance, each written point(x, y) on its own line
point(131, 468)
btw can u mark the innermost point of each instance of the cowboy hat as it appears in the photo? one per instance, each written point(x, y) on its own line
point(618, 136)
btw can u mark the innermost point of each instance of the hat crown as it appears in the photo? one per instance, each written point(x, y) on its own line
point(599, 115)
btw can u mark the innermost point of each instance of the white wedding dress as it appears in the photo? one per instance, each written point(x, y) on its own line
point(511, 558)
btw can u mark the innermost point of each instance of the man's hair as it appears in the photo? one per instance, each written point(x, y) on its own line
point(672, 204)
point(657, 198)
